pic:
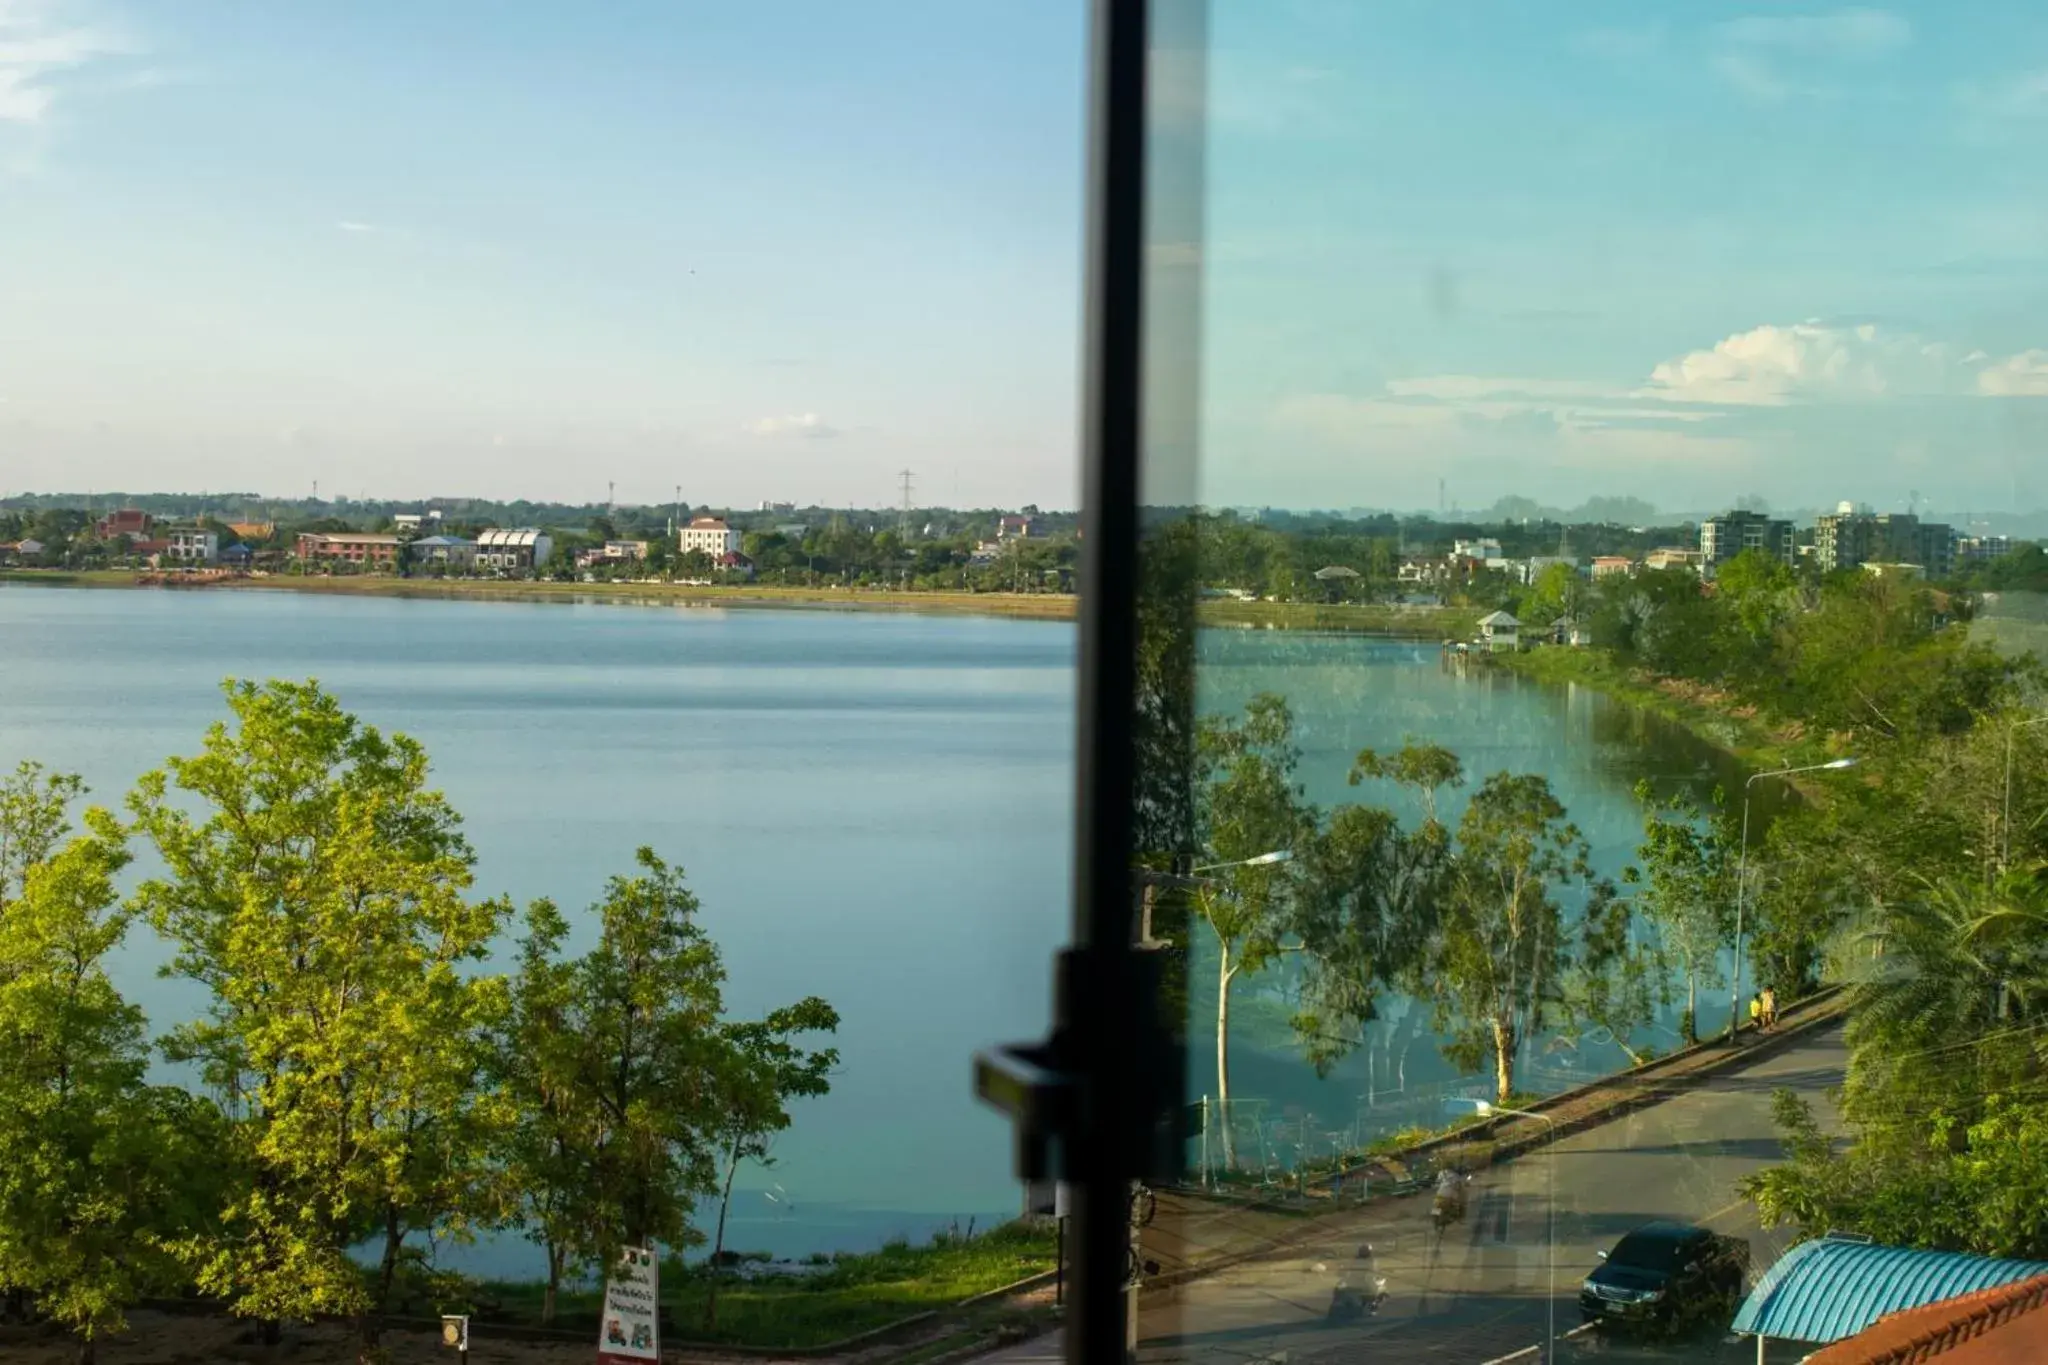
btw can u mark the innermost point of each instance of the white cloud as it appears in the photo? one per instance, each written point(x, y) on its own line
point(2018, 97)
point(1848, 33)
point(353, 225)
point(1770, 58)
point(807, 424)
point(1459, 387)
point(1772, 366)
point(37, 50)
point(2021, 376)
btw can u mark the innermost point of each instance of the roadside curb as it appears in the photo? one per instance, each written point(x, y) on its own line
point(1819, 1010)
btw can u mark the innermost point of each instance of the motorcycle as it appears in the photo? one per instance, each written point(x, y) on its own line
point(1359, 1292)
point(1449, 1205)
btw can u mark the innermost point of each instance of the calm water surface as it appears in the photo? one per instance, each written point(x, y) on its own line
point(873, 807)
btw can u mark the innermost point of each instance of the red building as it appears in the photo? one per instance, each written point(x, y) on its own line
point(130, 522)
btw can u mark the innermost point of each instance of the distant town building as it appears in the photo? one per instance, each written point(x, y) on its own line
point(1728, 535)
point(1981, 549)
point(611, 552)
point(710, 536)
point(348, 547)
point(416, 521)
point(192, 545)
point(782, 507)
point(1500, 632)
point(451, 551)
point(253, 530)
point(792, 530)
point(1609, 566)
point(1849, 538)
point(1016, 527)
point(1485, 550)
point(520, 547)
point(1672, 557)
point(130, 523)
point(237, 556)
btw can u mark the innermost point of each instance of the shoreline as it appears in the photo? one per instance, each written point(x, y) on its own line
point(1421, 623)
point(1748, 739)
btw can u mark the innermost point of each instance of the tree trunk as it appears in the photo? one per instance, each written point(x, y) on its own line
point(548, 1296)
point(1692, 1007)
point(732, 1166)
point(1224, 973)
point(88, 1351)
point(1503, 1060)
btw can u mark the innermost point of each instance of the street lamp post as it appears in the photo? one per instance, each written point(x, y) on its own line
point(1486, 1109)
point(1742, 880)
point(2005, 822)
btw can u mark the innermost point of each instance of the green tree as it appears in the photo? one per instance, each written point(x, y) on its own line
point(1501, 952)
point(102, 1173)
point(631, 1075)
point(1979, 1185)
point(763, 1069)
point(1618, 984)
point(1250, 806)
point(1559, 591)
point(33, 823)
point(546, 1149)
point(315, 885)
point(1949, 1011)
point(1688, 891)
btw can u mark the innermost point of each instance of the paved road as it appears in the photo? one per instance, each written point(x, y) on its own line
point(1482, 1293)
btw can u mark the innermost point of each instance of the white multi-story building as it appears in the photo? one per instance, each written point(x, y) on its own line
point(193, 546)
point(522, 548)
point(1485, 551)
point(710, 535)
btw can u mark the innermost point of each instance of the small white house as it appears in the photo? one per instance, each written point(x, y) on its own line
point(193, 545)
point(1500, 633)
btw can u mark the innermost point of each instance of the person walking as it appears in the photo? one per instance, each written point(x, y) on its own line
point(1770, 1003)
point(1756, 1013)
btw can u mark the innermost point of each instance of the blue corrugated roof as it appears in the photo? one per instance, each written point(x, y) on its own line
point(1832, 1288)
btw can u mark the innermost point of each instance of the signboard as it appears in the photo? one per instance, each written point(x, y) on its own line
point(628, 1331)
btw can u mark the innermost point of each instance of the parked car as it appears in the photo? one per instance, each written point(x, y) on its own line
point(1667, 1275)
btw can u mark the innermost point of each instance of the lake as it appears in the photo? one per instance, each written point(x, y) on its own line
point(872, 806)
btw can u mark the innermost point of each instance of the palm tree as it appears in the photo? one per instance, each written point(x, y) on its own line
point(1951, 1007)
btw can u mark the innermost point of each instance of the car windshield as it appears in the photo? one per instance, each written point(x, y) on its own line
point(1649, 1251)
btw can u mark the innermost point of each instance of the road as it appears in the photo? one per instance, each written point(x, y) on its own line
point(1482, 1293)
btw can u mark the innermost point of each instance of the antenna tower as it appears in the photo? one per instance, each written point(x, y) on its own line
point(903, 519)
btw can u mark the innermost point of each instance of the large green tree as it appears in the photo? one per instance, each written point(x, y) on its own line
point(1250, 807)
point(1687, 881)
point(316, 886)
point(102, 1173)
point(765, 1066)
point(1501, 947)
point(619, 1082)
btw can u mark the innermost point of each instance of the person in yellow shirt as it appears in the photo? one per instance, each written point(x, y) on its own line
point(1756, 1012)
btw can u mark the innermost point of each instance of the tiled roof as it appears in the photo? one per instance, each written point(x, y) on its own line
point(2001, 1326)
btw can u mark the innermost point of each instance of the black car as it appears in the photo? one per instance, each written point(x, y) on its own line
point(1666, 1275)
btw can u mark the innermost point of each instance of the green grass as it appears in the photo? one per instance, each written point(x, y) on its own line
point(1715, 718)
point(1427, 623)
point(859, 1293)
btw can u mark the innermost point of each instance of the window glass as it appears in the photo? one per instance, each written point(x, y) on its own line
point(1601, 501)
point(665, 421)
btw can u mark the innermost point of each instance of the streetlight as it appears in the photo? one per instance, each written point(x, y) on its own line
point(1742, 879)
point(1487, 1109)
point(2005, 825)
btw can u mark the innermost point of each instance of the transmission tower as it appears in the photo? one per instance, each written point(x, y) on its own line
point(903, 518)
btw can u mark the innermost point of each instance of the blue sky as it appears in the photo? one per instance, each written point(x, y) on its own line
point(785, 249)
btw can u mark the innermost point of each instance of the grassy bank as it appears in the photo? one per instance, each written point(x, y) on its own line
point(1714, 716)
point(1421, 623)
point(852, 1294)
